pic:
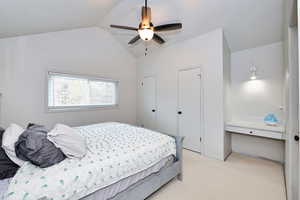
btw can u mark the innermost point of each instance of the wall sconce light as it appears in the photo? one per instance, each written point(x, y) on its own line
point(253, 72)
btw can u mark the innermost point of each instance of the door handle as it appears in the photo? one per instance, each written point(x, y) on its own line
point(296, 138)
point(179, 112)
point(153, 110)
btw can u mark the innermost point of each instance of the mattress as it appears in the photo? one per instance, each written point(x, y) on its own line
point(115, 152)
point(114, 189)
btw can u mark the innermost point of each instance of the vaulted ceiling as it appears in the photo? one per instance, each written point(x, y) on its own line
point(40, 16)
point(246, 23)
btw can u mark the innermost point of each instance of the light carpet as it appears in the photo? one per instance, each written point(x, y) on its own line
point(239, 178)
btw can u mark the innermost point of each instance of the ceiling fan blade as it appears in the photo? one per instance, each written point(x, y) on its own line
point(124, 27)
point(135, 39)
point(158, 39)
point(168, 27)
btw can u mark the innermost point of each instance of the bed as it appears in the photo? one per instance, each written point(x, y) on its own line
point(123, 162)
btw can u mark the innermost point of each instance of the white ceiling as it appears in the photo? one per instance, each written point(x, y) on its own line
point(22, 17)
point(247, 23)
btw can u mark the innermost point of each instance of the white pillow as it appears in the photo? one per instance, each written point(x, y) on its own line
point(10, 137)
point(68, 140)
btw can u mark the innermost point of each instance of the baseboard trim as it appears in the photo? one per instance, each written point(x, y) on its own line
point(226, 157)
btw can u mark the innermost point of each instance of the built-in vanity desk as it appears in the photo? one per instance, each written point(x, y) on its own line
point(256, 129)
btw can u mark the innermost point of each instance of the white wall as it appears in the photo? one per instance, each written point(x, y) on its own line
point(290, 153)
point(252, 100)
point(90, 51)
point(227, 94)
point(292, 99)
point(258, 147)
point(292, 126)
point(205, 51)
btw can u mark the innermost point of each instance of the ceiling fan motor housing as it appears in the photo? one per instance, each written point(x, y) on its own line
point(146, 18)
point(146, 28)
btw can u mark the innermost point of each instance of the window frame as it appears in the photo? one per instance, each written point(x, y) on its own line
point(80, 107)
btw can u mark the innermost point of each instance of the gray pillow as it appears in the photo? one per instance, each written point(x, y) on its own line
point(33, 146)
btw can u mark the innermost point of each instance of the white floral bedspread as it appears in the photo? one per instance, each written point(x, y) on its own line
point(116, 151)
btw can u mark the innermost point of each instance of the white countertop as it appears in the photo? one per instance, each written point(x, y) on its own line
point(256, 125)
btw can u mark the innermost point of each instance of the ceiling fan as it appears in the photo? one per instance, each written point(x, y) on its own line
point(146, 30)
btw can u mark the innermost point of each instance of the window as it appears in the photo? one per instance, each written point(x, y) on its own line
point(74, 92)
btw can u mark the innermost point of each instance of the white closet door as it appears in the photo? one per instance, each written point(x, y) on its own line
point(149, 102)
point(189, 108)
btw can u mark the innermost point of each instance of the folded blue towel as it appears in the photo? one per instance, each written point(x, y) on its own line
point(271, 119)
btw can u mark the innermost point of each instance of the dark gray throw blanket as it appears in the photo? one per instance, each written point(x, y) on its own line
point(7, 167)
point(33, 146)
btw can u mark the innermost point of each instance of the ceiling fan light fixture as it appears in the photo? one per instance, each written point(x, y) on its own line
point(146, 34)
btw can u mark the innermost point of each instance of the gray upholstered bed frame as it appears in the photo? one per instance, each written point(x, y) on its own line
point(144, 188)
